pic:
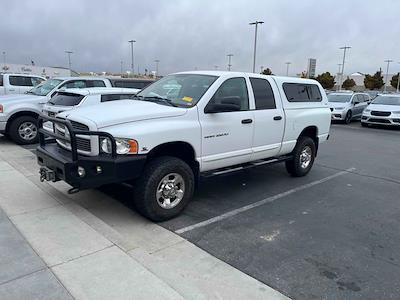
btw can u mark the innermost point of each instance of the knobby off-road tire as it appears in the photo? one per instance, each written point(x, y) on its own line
point(24, 130)
point(164, 189)
point(303, 157)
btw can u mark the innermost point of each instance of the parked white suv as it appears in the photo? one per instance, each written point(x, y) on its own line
point(347, 106)
point(73, 98)
point(19, 113)
point(384, 110)
point(18, 83)
point(209, 122)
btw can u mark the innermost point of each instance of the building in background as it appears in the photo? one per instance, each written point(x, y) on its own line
point(311, 67)
point(47, 72)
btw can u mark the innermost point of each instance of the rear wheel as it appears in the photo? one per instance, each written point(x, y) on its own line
point(164, 189)
point(24, 130)
point(303, 157)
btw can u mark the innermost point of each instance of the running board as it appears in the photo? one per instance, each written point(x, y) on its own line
point(257, 163)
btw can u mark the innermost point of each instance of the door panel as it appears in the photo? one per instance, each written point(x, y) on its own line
point(227, 136)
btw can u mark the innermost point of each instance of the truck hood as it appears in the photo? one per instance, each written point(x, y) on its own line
point(122, 111)
point(14, 99)
point(381, 107)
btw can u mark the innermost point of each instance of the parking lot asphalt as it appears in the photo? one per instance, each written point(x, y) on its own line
point(330, 235)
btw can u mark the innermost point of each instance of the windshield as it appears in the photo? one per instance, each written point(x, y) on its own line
point(44, 88)
point(387, 100)
point(339, 98)
point(183, 90)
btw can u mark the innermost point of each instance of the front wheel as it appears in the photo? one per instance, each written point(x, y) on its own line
point(348, 117)
point(164, 189)
point(303, 157)
point(24, 130)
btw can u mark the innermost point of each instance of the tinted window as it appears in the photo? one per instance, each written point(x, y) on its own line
point(232, 91)
point(113, 97)
point(131, 84)
point(74, 84)
point(20, 81)
point(66, 99)
point(263, 94)
point(300, 92)
point(95, 83)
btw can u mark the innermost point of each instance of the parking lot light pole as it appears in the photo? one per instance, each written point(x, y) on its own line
point(229, 61)
point(287, 67)
point(132, 59)
point(340, 66)
point(344, 48)
point(388, 61)
point(255, 42)
point(122, 64)
point(157, 61)
point(69, 58)
point(4, 59)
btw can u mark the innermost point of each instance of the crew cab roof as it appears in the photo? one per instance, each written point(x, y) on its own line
point(99, 91)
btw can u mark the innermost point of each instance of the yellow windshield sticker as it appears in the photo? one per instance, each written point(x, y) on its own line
point(187, 99)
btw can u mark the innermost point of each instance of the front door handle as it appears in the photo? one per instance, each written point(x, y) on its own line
point(247, 121)
point(277, 118)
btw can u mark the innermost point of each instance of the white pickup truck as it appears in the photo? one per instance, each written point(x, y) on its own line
point(18, 83)
point(182, 126)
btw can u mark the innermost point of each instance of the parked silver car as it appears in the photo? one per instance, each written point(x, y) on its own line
point(347, 106)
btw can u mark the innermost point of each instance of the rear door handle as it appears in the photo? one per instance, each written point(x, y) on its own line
point(247, 121)
point(277, 118)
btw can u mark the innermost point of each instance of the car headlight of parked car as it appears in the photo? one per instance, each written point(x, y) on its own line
point(367, 110)
point(1, 108)
point(123, 146)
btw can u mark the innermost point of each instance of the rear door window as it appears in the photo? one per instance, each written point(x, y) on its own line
point(263, 94)
point(300, 92)
point(74, 84)
point(66, 99)
point(113, 97)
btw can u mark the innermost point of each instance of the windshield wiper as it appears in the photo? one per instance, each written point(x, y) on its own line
point(158, 99)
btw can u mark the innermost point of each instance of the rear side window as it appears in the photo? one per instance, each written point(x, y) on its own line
point(263, 94)
point(131, 84)
point(113, 97)
point(74, 84)
point(66, 99)
point(300, 92)
point(95, 83)
point(20, 81)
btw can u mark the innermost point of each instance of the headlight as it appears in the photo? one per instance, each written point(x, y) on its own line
point(339, 108)
point(123, 146)
point(367, 110)
point(1, 108)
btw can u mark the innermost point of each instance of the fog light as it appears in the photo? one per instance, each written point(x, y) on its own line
point(99, 170)
point(81, 171)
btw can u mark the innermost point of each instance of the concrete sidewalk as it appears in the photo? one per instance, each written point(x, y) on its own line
point(89, 246)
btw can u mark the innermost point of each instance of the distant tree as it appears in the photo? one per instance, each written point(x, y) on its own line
point(267, 71)
point(326, 80)
point(348, 83)
point(393, 81)
point(374, 82)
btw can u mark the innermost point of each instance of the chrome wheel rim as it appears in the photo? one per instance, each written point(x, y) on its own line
point(170, 191)
point(27, 131)
point(305, 157)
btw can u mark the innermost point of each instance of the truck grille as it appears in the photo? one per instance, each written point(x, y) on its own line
point(82, 144)
point(379, 121)
point(79, 126)
point(380, 113)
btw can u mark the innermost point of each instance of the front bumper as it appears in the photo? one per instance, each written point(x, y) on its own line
point(112, 170)
point(61, 164)
point(338, 115)
point(379, 120)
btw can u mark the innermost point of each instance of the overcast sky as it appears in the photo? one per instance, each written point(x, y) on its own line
point(189, 34)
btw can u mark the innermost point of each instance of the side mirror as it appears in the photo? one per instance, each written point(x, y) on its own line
point(213, 108)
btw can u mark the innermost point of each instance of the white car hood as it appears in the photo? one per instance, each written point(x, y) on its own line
point(122, 111)
point(57, 108)
point(337, 104)
point(381, 107)
point(14, 99)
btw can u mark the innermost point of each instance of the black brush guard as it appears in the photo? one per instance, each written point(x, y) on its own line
point(58, 163)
